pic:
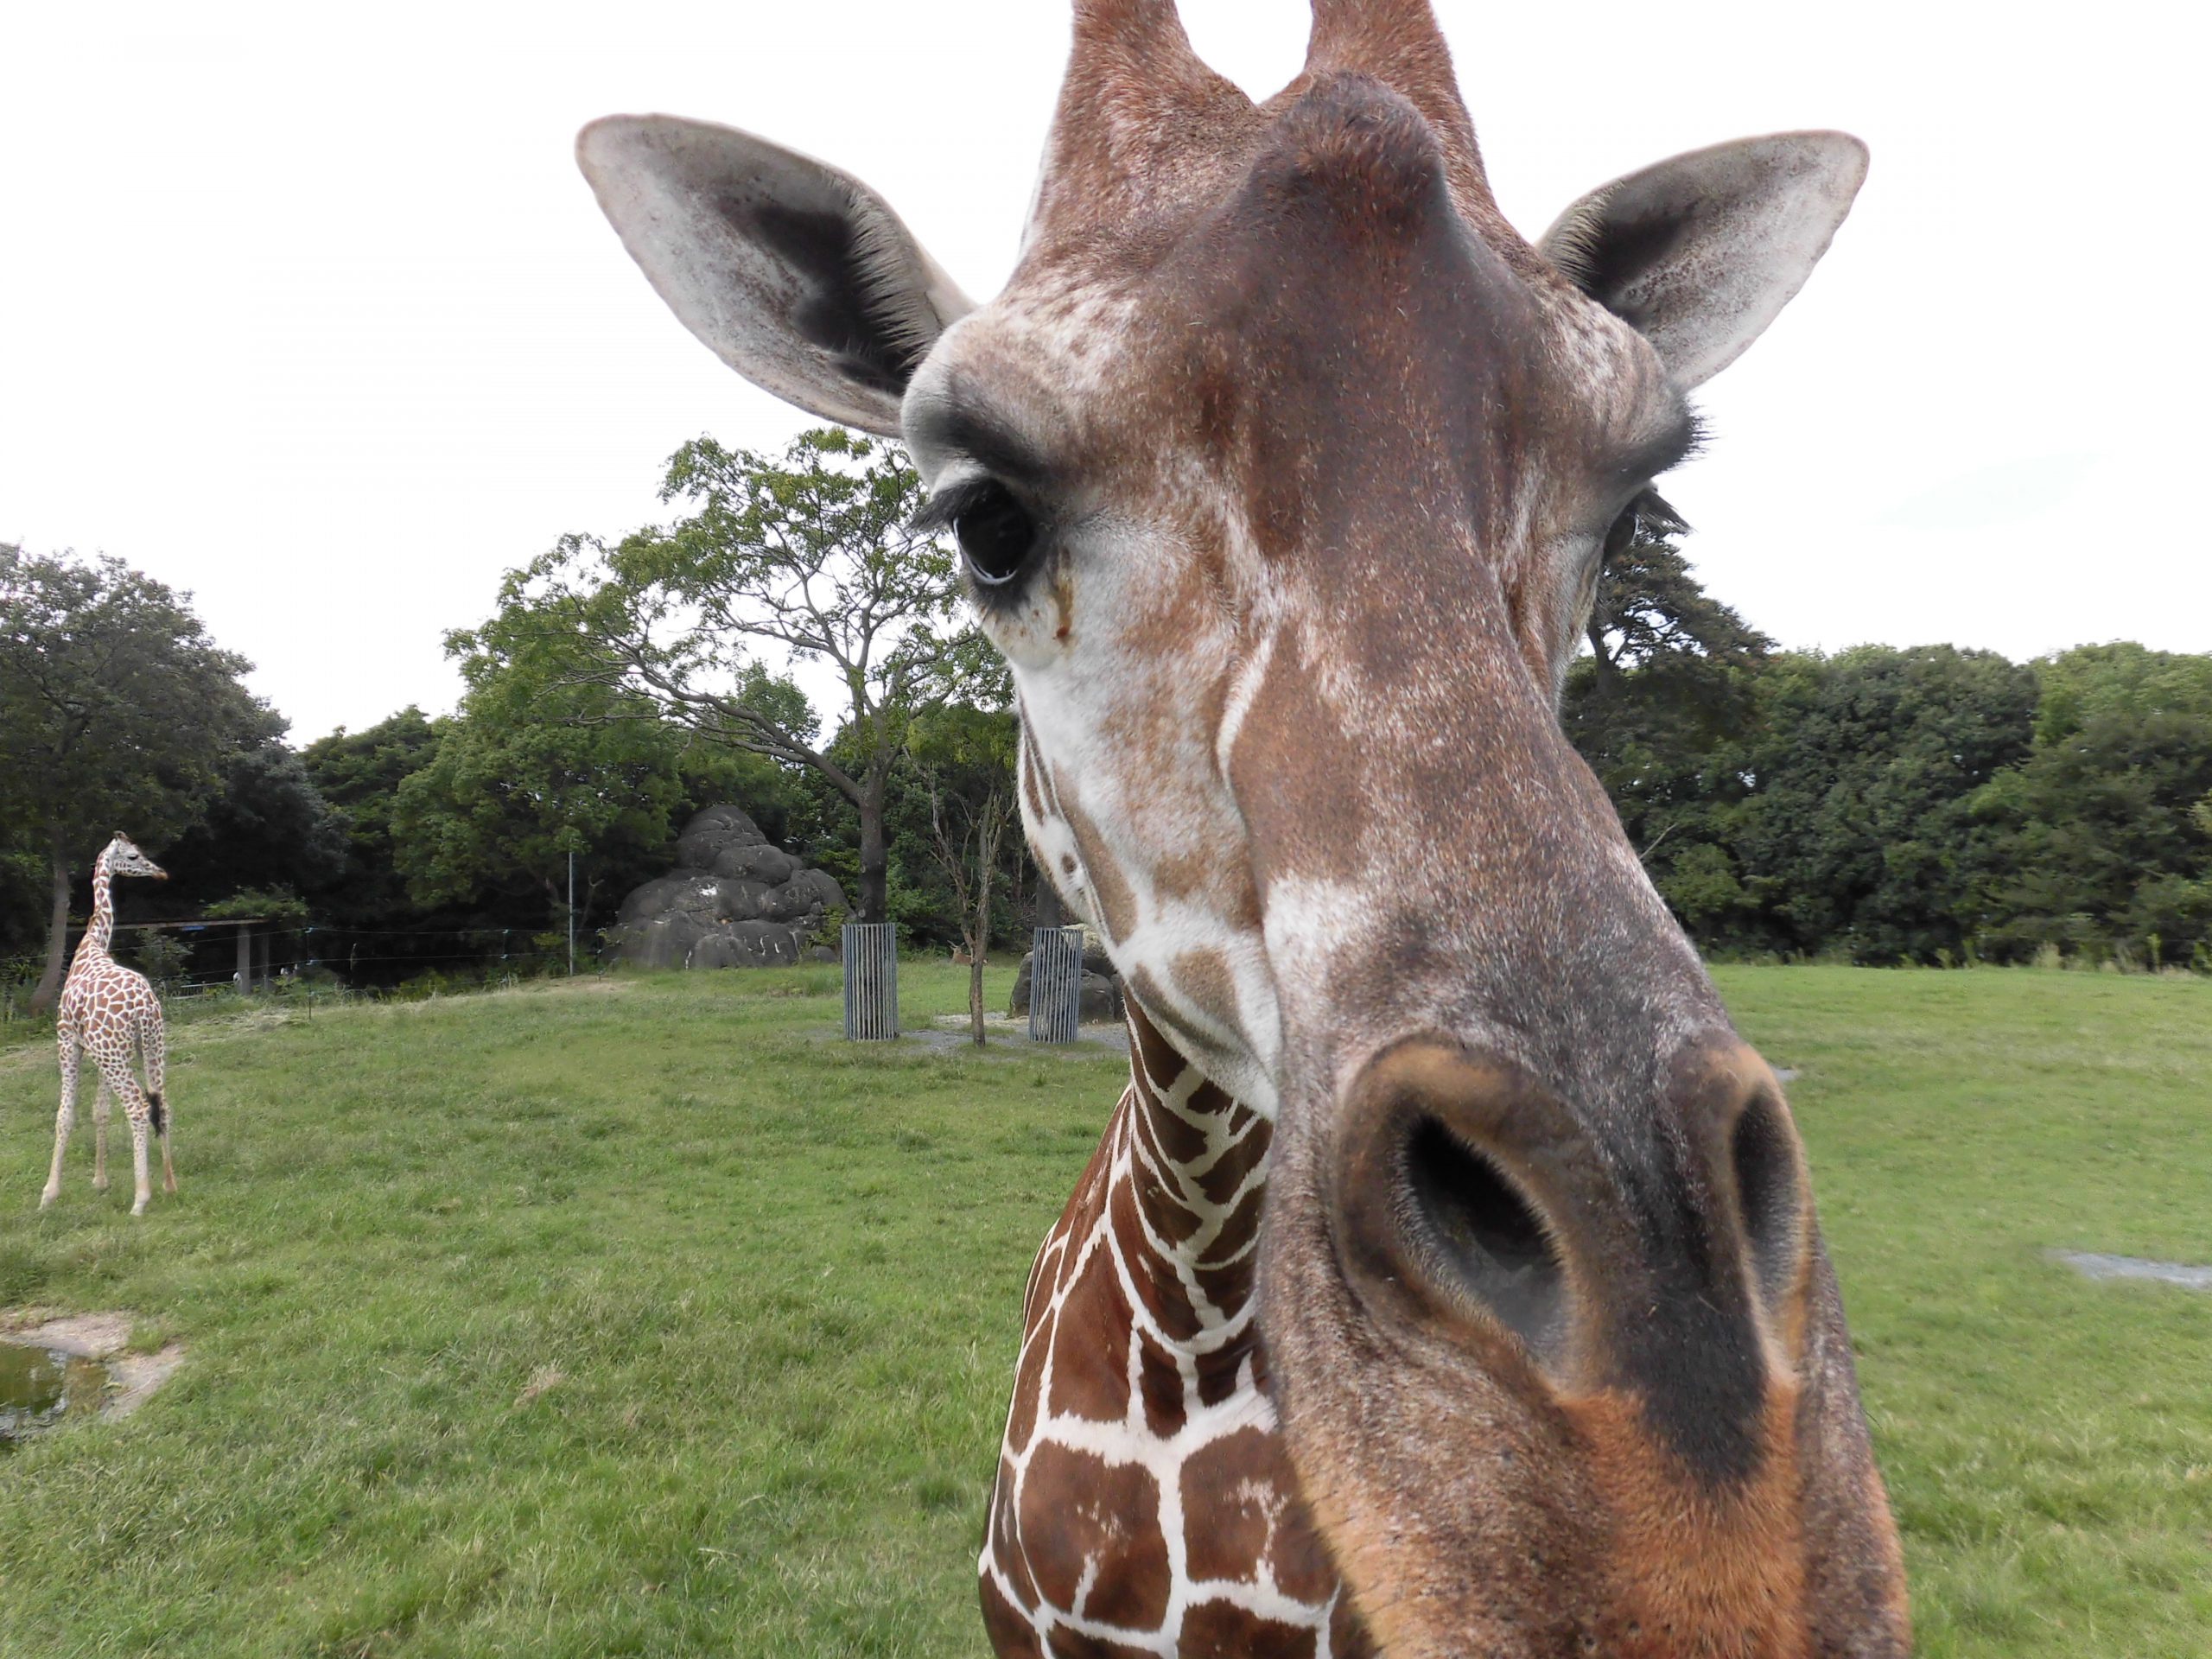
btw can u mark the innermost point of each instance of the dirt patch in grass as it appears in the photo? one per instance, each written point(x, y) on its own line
point(2094, 1264)
point(133, 1378)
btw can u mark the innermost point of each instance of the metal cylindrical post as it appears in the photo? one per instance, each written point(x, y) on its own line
point(871, 951)
point(1055, 984)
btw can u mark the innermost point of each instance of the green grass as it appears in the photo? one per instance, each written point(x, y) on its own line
point(638, 1317)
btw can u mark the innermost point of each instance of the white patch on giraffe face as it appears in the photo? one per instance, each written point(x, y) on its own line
point(1169, 891)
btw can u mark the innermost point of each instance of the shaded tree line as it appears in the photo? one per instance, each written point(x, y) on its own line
point(1899, 805)
point(1883, 805)
point(613, 693)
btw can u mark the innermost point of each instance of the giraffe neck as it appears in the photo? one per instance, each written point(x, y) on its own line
point(1196, 1181)
point(1145, 1503)
point(99, 936)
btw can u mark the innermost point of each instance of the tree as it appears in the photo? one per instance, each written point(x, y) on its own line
point(542, 762)
point(811, 556)
point(119, 713)
point(964, 759)
point(1649, 611)
point(268, 826)
point(1658, 710)
point(358, 774)
point(1858, 829)
point(2096, 841)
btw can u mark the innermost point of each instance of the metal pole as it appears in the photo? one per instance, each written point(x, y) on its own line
point(1055, 984)
point(572, 914)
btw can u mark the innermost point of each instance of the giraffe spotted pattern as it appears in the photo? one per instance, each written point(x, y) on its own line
point(108, 1012)
point(1145, 1503)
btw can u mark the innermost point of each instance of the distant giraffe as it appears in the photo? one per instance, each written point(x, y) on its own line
point(106, 1010)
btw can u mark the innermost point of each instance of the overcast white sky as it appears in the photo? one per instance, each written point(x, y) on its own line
point(306, 309)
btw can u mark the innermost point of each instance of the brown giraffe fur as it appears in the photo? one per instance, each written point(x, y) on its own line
point(1283, 470)
point(109, 1013)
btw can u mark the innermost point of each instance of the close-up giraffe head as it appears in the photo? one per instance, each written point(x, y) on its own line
point(121, 857)
point(1283, 470)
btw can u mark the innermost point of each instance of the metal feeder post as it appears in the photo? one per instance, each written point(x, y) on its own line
point(871, 951)
point(1055, 984)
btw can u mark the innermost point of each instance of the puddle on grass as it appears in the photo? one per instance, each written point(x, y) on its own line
point(2092, 1264)
point(71, 1368)
point(39, 1386)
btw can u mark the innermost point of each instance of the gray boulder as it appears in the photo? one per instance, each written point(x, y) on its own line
point(763, 863)
point(713, 831)
point(734, 901)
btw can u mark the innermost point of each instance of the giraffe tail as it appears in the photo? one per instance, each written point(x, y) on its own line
point(157, 1113)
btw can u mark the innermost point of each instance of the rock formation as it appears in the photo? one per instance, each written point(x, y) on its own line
point(731, 901)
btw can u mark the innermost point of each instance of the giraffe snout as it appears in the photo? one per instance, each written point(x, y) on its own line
point(1657, 1253)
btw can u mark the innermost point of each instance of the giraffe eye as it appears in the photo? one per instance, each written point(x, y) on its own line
point(1622, 533)
point(995, 533)
point(1649, 516)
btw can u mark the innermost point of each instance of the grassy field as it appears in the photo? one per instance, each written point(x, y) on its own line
point(639, 1317)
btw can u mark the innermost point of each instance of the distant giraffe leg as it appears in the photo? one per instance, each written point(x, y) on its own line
point(153, 1050)
point(65, 1039)
point(101, 1097)
point(116, 1071)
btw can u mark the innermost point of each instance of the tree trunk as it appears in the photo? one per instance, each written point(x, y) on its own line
point(875, 894)
point(57, 938)
point(1609, 672)
point(986, 857)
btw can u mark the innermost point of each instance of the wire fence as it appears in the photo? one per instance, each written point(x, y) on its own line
point(332, 963)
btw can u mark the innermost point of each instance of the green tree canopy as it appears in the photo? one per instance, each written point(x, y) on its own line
point(120, 713)
point(1858, 829)
point(2099, 840)
point(543, 760)
point(1659, 709)
point(807, 556)
point(962, 757)
point(358, 774)
point(268, 827)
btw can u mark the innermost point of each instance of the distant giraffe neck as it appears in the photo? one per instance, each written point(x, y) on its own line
point(1145, 1503)
point(101, 934)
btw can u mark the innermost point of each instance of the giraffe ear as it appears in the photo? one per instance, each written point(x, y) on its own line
point(798, 276)
point(1701, 253)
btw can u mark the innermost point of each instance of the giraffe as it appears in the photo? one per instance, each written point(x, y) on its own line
point(108, 1011)
point(1448, 1279)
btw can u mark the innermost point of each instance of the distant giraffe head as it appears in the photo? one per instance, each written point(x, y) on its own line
point(121, 857)
point(1284, 469)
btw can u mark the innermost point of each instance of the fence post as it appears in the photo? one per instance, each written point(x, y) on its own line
point(1055, 984)
point(245, 959)
point(871, 951)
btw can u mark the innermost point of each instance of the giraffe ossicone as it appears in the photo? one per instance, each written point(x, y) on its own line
point(110, 1014)
point(1447, 1280)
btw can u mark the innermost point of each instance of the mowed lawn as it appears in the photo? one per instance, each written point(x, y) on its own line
point(643, 1316)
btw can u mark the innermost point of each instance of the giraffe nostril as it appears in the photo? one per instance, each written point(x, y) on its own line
point(1762, 1150)
point(1485, 1236)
